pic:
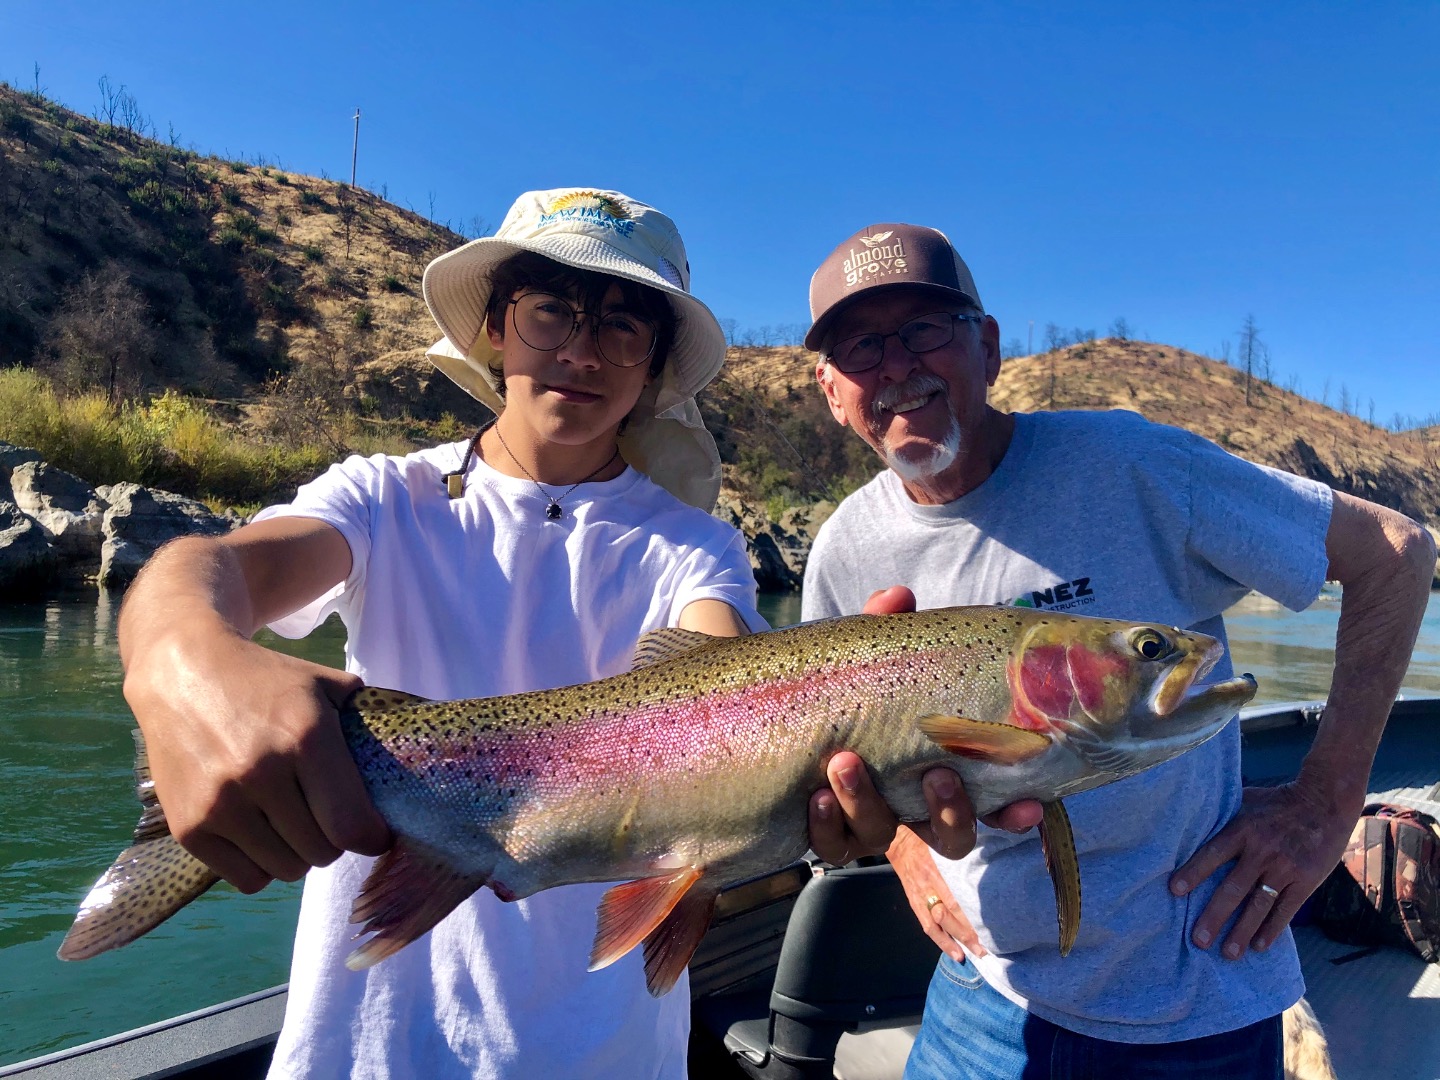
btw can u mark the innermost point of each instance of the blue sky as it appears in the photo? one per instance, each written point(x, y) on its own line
point(1180, 166)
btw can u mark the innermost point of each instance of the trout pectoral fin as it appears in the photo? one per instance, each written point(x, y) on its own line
point(628, 913)
point(378, 699)
point(1002, 744)
point(410, 889)
point(1058, 841)
point(668, 643)
point(670, 945)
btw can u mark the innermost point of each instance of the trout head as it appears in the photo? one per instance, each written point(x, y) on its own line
point(1123, 696)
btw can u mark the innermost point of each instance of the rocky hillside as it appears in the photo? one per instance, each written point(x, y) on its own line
point(231, 272)
point(1173, 386)
point(220, 276)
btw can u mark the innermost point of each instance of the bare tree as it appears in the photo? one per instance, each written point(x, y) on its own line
point(103, 335)
point(134, 121)
point(109, 101)
point(1251, 352)
point(1120, 329)
point(729, 327)
point(309, 403)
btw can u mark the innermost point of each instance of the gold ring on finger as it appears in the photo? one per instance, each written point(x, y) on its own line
point(931, 901)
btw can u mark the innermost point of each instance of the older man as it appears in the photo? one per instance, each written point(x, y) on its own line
point(1184, 962)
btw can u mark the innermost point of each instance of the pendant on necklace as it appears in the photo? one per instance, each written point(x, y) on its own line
point(553, 511)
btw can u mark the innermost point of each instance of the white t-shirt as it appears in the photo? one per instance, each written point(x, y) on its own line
point(1103, 514)
point(472, 597)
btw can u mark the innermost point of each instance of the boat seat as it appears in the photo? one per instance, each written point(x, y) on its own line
point(854, 957)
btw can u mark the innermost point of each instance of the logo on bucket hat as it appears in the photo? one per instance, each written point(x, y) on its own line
point(589, 207)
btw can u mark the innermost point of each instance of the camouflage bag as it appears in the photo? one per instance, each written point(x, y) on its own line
point(1386, 889)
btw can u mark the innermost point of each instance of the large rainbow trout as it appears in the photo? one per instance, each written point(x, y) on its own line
point(693, 771)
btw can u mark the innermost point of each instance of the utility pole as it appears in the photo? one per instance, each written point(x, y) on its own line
point(355, 147)
point(1030, 340)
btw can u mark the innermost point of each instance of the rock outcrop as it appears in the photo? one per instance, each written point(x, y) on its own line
point(778, 549)
point(57, 532)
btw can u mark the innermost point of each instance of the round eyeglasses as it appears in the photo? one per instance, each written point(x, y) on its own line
point(920, 335)
point(546, 322)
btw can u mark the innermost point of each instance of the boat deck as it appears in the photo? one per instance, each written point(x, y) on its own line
point(1380, 1007)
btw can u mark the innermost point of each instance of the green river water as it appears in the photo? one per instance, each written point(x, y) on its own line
point(67, 806)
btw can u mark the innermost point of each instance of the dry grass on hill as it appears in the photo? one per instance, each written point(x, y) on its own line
point(245, 272)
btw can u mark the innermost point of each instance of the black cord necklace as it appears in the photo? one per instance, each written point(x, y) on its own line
point(553, 511)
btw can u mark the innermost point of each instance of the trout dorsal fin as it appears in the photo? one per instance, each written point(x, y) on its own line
point(1003, 744)
point(150, 880)
point(666, 644)
point(378, 699)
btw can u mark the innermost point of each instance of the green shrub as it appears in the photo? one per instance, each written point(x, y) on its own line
point(230, 195)
point(173, 443)
point(363, 319)
point(282, 179)
point(392, 283)
point(313, 253)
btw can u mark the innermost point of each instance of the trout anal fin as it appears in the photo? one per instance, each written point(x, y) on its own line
point(1002, 744)
point(629, 913)
point(1058, 841)
point(410, 889)
point(668, 643)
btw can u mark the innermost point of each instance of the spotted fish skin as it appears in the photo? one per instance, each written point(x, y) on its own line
point(694, 770)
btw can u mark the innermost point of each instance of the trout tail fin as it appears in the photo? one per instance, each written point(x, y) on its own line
point(150, 880)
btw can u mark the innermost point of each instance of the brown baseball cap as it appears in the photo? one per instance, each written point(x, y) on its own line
point(882, 257)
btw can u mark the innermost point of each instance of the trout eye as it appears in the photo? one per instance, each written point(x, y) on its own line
point(1151, 645)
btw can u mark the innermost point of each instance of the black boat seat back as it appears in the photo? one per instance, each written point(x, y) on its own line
point(853, 954)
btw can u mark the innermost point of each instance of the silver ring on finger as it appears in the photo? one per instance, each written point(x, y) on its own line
point(1271, 894)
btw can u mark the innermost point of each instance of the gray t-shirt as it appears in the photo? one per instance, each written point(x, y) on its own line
point(1110, 515)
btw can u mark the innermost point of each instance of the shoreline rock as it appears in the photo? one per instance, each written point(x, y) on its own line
point(778, 549)
point(57, 533)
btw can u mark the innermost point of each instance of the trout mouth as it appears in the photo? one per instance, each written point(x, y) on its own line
point(1203, 711)
point(1178, 684)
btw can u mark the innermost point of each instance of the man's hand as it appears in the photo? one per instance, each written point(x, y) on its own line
point(849, 819)
point(930, 898)
point(1284, 842)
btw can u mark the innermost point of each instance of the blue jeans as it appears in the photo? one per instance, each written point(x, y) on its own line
point(972, 1032)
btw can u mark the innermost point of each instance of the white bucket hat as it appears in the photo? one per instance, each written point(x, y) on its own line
point(614, 234)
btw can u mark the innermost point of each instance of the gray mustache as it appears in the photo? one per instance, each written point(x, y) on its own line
point(909, 390)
